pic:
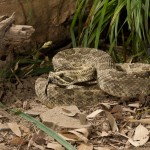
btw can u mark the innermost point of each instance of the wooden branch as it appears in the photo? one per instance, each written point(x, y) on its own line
point(13, 35)
point(18, 35)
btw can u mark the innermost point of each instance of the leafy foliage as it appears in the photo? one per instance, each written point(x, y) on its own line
point(32, 63)
point(121, 22)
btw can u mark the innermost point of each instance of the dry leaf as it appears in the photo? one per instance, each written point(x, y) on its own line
point(143, 121)
point(85, 146)
point(135, 105)
point(107, 105)
point(55, 146)
point(3, 146)
point(18, 141)
point(24, 129)
point(79, 136)
point(103, 148)
point(15, 128)
point(38, 139)
point(68, 136)
point(128, 110)
point(55, 118)
point(94, 114)
point(68, 112)
point(76, 135)
point(84, 131)
point(106, 126)
point(82, 118)
point(140, 137)
point(112, 121)
point(116, 109)
point(104, 133)
point(4, 127)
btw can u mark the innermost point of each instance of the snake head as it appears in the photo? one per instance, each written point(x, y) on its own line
point(60, 78)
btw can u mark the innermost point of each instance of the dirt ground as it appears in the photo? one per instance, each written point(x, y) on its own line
point(111, 124)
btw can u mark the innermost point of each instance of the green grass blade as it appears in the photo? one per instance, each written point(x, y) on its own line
point(44, 128)
point(74, 22)
point(99, 28)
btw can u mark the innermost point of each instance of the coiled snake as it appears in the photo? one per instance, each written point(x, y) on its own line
point(75, 71)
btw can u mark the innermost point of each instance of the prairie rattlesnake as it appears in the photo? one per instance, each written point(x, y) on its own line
point(81, 66)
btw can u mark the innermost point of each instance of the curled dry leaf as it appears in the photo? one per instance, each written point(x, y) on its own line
point(107, 105)
point(76, 135)
point(83, 131)
point(140, 137)
point(94, 114)
point(79, 136)
point(112, 121)
point(15, 128)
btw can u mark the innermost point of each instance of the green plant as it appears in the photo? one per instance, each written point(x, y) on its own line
point(33, 62)
point(121, 22)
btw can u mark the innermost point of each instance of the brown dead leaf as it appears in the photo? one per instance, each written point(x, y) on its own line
point(75, 135)
point(83, 131)
point(87, 146)
point(36, 110)
point(103, 148)
point(112, 121)
point(116, 109)
point(107, 105)
point(67, 112)
point(24, 129)
point(143, 121)
point(68, 136)
point(15, 128)
point(104, 133)
point(3, 146)
point(55, 146)
point(140, 137)
point(82, 118)
point(38, 139)
point(18, 141)
point(128, 110)
point(134, 105)
point(55, 118)
point(79, 136)
point(4, 127)
point(94, 114)
point(105, 126)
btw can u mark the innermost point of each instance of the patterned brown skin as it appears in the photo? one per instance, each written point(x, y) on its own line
point(81, 65)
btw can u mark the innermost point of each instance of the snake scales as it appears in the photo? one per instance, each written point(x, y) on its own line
point(75, 71)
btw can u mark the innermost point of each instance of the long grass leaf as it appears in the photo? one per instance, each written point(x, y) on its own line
point(100, 24)
point(44, 128)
